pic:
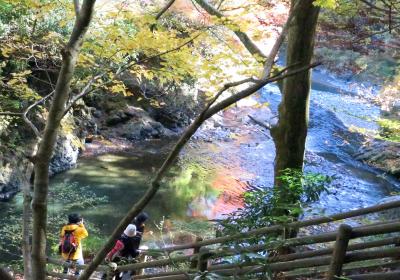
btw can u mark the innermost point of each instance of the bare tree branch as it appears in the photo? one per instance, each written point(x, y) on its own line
point(24, 114)
point(243, 37)
point(123, 68)
point(269, 63)
point(26, 111)
point(249, 44)
point(250, 90)
point(86, 90)
point(259, 122)
point(376, 33)
point(163, 10)
point(10, 114)
point(373, 6)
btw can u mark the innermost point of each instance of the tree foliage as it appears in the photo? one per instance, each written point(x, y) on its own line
point(277, 205)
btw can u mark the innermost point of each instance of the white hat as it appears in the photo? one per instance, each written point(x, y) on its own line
point(130, 230)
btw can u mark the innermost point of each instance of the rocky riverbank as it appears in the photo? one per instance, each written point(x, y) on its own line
point(101, 123)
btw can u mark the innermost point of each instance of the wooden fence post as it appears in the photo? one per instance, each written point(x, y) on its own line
point(196, 250)
point(339, 252)
point(204, 255)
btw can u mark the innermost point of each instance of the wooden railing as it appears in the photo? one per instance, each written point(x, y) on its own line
point(331, 261)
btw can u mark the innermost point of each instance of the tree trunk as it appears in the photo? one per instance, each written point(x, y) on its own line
point(46, 147)
point(26, 224)
point(291, 131)
point(27, 214)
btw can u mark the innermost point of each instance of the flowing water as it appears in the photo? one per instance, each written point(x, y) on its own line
point(231, 155)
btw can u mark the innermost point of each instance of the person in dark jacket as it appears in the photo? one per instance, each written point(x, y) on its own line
point(139, 222)
point(126, 245)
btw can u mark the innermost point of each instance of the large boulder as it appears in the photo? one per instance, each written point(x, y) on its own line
point(134, 124)
point(10, 179)
point(65, 154)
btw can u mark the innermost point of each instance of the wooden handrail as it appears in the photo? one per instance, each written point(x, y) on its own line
point(278, 263)
point(318, 253)
point(347, 269)
point(180, 274)
point(294, 225)
point(285, 266)
point(394, 275)
point(312, 262)
point(298, 241)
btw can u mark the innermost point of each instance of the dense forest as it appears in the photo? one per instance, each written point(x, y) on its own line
point(201, 139)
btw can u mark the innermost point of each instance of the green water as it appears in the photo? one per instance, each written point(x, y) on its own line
point(202, 185)
point(123, 177)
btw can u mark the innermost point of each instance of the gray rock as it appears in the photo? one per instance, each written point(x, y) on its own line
point(139, 125)
point(65, 154)
point(10, 178)
point(117, 118)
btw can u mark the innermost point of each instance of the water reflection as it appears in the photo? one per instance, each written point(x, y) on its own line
point(191, 189)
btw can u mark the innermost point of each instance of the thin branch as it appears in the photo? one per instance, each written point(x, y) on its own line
point(376, 33)
point(220, 4)
point(163, 10)
point(243, 37)
point(279, 41)
point(10, 114)
point(250, 90)
point(26, 111)
point(283, 70)
point(373, 6)
point(24, 114)
point(249, 44)
point(86, 90)
point(160, 54)
point(260, 123)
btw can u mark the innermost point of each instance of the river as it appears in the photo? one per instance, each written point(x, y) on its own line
point(230, 155)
